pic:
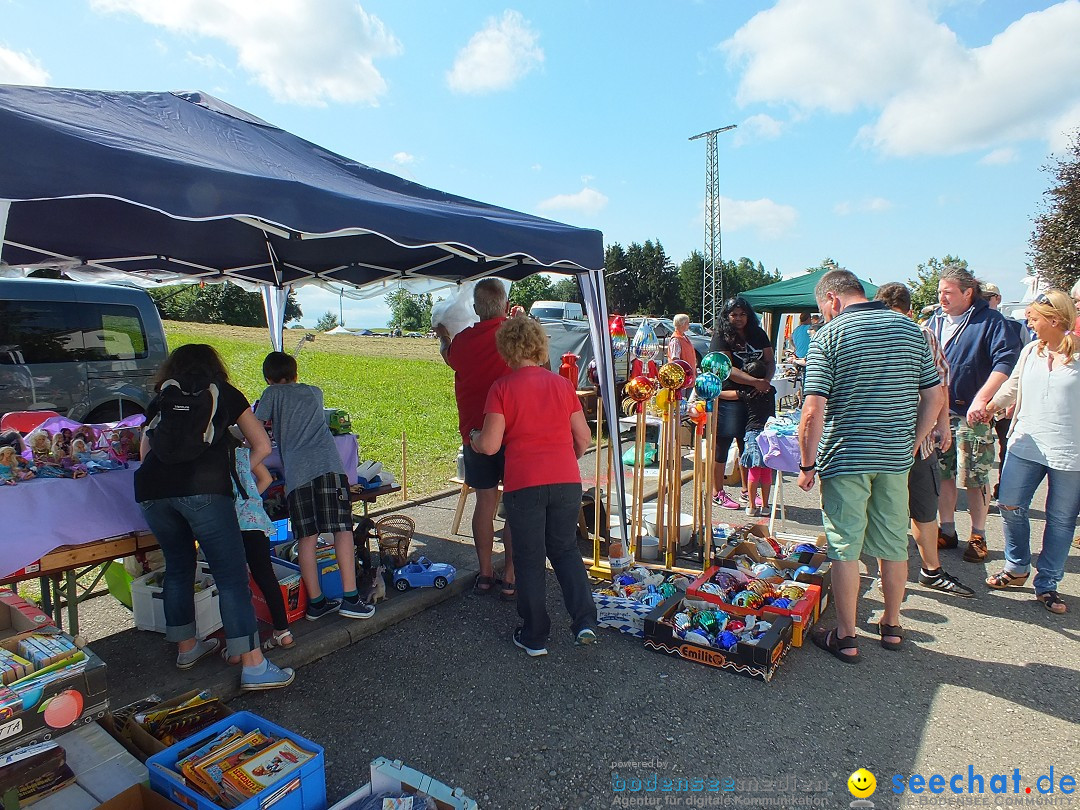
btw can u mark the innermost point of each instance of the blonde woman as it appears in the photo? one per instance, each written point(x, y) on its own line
point(1044, 442)
point(536, 417)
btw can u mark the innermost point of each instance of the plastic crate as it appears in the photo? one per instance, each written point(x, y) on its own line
point(303, 789)
point(281, 533)
point(395, 777)
point(329, 573)
point(294, 594)
point(148, 605)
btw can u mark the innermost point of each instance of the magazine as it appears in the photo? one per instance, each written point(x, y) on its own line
point(261, 771)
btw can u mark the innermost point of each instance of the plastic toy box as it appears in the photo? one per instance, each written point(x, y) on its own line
point(149, 608)
point(395, 777)
point(329, 571)
point(302, 789)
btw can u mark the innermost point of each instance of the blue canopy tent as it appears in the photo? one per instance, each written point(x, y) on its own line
point(168, 187)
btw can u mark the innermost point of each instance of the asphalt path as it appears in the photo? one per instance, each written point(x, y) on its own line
point(988, 684)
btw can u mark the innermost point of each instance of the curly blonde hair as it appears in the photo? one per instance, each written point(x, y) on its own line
point(521, 339)
point(1057, 306)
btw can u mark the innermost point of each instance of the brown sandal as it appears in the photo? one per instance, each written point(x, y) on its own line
point(1052, 601)
point(509, 592)
point(485, 585)
point(1003, 579)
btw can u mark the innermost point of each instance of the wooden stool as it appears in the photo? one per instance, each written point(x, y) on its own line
point(459, 511)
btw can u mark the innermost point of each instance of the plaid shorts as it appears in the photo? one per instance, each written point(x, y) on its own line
point(321, 505)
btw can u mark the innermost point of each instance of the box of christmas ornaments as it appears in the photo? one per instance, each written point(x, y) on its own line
point(624, 603)
point(698, 631)
point(778, 559)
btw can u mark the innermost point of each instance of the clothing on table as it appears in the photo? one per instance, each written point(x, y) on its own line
point(976, 344)
point(869, 364)
point(536, 404)
point(300, 431)
point(1046, 423)
point(476, 364)
point(209, 474)
point(250, 512)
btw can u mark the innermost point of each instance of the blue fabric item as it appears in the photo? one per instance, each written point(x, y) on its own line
point(105, 175)
point(984, 345)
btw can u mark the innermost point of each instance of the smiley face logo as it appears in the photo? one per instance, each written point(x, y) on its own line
point(862, 784)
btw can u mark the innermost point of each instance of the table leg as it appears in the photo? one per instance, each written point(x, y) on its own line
point(72, 582)
point(45, 586)
point(776, 496)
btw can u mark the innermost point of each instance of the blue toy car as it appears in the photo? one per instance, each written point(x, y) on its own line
point(424, 574)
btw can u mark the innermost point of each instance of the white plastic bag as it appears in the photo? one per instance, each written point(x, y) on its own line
point(732, 457)
point(456, 312)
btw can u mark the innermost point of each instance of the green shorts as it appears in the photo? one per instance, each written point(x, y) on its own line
point(866, 513)
point(971, 456)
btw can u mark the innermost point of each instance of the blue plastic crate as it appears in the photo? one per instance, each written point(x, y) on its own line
point(329, 576)
point(304, 789)
point(281, 533)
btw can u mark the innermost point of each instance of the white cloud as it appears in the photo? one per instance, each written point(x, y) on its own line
point(933, 94)
point(770, 219)
point(21, 68)
point(404, 158)
point(871, 205)
point(207, 61)
point(759, 127)
point(301, 52)
point(999, 157)
point(502, 52)
point(588, 201)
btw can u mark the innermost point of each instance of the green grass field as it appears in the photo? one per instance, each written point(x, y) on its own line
point(387, 385)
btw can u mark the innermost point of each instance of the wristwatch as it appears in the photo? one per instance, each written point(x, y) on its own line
point(811, 468)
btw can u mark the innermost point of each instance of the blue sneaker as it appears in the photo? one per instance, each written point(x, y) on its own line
point(274, 677)
point(356, 609)
point(325, 608)
point(533, 652)
point(585, 636)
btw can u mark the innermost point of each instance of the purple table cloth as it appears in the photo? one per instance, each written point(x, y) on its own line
point(347, 448)
point(780, 452)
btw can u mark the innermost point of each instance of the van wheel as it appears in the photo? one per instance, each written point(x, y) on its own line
point(111, 412)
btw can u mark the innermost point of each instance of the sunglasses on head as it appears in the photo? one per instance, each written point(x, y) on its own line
point(1042, 298)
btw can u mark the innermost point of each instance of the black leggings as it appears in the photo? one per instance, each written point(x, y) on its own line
point(257, 551)
point(723, 447)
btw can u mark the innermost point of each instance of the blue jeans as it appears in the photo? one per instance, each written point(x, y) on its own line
point(176, 523)
point(543, 522)
point(1019, 480)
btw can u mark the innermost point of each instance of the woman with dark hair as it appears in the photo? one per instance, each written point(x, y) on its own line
point(739, 336)
point(185, 498)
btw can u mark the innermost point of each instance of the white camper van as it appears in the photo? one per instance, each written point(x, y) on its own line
point(557, 311)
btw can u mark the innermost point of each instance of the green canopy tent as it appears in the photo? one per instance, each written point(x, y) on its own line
point(790, 295)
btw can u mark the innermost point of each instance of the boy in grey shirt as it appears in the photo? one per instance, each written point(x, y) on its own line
point(316, 488)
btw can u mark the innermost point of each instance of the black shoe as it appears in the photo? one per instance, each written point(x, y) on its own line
point(324, 608)
point(945, 582)
point(356, 609)
point(533, 652)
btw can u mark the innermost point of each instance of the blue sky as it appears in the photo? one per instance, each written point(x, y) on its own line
point(878, 133)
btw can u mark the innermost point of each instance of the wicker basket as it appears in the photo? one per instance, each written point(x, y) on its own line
point(395, 533)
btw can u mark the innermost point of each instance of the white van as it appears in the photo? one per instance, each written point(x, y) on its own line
point(557, 311)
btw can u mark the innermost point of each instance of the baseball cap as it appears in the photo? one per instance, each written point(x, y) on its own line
point(990, 288)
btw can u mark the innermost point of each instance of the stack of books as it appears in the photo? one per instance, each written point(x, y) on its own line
point(176, 723)
point(235, 765)
point(33, 773)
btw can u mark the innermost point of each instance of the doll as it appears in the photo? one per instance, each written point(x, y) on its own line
point(61, 454)
point(40, 448)
point(13, 467)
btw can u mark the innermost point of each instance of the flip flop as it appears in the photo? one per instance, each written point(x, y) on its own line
point(829, 641)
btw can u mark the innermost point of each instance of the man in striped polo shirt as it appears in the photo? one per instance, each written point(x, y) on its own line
point(872, 395)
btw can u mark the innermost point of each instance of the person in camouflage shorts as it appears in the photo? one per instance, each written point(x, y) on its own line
point(971, 457)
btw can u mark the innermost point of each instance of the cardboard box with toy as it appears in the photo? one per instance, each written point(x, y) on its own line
point(819, 565)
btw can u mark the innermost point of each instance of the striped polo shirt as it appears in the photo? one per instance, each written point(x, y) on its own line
point(869, 363)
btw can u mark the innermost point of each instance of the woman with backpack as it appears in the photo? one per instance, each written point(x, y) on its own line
point(185, 489)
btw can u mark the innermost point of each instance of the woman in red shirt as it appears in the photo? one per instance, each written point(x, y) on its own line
point(536, 416)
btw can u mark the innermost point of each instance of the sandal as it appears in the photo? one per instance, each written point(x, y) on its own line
point(509, 592)
point(278, 639)
point(1003, 579)
point(485, 585)
point(231, 660)
point(829, 641)
point(891, 630)
point(1053, 602)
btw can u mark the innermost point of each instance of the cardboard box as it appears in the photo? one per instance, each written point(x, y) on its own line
point(395, 777)
point(803, 613)
point(146, 743)
point(148, 604)
point(301, 789)
point(72, 797)
point(139, 797)
point(759, 660)
point(294, 594)
point(78, 695)
point(822, 577)
point(622, 614)
point(19, 616)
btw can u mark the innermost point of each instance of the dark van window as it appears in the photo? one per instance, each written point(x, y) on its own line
point(39, 332)
point(113, 332)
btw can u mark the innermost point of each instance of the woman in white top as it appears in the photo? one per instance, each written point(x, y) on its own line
point(1044, 442)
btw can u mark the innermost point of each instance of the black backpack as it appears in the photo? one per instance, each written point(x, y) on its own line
point(184, 426)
